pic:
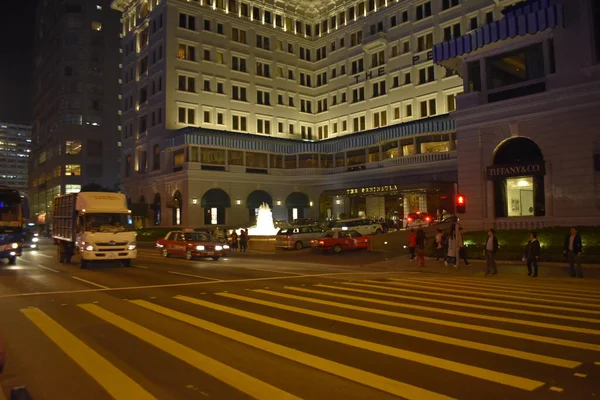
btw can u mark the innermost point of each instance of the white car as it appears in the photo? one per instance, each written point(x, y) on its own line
point(362, 226)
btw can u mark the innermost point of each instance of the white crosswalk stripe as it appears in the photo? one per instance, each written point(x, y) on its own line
point(464, 329)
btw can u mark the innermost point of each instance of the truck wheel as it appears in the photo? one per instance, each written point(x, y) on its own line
point(126, 263)
point(12, 260)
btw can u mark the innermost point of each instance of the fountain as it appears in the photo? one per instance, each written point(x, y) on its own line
point(262, 235)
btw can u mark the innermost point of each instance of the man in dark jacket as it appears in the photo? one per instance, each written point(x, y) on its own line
point(573, 249)
point(491, 247)
point(532, 253)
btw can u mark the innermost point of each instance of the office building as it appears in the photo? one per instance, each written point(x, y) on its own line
point(15, 150)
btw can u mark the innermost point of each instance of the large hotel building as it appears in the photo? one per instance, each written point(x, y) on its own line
point(319, 109)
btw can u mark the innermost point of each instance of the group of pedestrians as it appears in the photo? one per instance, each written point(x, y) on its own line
point(446, 246)
point(235, 241)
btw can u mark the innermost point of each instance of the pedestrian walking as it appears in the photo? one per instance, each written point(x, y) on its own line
point(491, 247)
point(439, 245)
point(412, 244)
point(462, 250)
point(451, 255)
point(572, 250)
point(234, 241)
point(532, 254)
point(243, 241)
point(421, 246)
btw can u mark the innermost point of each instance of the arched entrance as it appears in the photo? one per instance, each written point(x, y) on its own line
point(176, 206)
point(255, 200)
point(214, 202)
point(518, 177)
point(297, 204)
point(156, 209)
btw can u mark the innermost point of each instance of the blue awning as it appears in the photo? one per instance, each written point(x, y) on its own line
point(244, 141)
point(526, 18)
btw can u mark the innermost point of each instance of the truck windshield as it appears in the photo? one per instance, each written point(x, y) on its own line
point(108, 222)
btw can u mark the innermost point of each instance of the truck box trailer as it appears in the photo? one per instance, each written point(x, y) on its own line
point(93, 226)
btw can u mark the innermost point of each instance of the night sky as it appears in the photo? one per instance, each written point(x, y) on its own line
point(17, 22)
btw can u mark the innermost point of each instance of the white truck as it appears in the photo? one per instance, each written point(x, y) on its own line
point(93, 226)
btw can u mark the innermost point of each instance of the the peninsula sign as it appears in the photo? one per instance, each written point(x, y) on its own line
point(511, 170)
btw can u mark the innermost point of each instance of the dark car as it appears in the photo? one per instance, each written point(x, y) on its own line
point(11, 244)
point(31, 238)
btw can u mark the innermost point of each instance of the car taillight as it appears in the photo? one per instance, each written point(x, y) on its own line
point(427, 219)
point(409, 219)
point(321, 242)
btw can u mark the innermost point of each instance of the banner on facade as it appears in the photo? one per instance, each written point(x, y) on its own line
point(512, 170)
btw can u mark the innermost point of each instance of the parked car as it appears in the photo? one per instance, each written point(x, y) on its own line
point(418, 219)
point(297, 237)
point(191, 244)
point(362, 226)
point(340, 240)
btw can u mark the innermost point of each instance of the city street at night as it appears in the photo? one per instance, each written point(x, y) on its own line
point(246, 326)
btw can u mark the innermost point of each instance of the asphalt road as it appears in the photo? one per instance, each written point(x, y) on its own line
point(246, 327)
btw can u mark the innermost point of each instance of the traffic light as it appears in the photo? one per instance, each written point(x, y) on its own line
point(461, 204)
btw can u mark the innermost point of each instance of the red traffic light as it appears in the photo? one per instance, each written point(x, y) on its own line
point(460, 199)
point(461, 204)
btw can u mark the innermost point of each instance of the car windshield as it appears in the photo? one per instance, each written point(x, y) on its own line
point(341, 224)
point(10, 237)
point(108, 222)
point(329, 234)
point(198, 237)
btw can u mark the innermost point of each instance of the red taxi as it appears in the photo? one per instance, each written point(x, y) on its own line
point(337, 241)
point(190, 244)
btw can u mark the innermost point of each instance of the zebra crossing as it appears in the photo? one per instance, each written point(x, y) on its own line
point(417, 337)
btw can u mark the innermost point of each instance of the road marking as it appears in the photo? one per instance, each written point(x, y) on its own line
point(543, 339)
point(370, 284)
point(91, 283)
point(172, 285)
point(113, 380)
point(528, 299)
point(597, 363)
point(140, 266)
point(530, 285)
point(556, 389)
point(558, 362)
point(234, 378)
point(378, 382)
point(531, 294)
point(270, 270)
point(469, 370)
point(194, 276)
point(48, 268)
point(44, 255)
point(580, 375)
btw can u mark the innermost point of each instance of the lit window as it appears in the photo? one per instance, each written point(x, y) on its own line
point(97, 26)
point(72, 189)
point(73, 147)
point(73, 170)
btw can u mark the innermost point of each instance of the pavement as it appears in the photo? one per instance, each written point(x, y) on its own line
point(305, 326)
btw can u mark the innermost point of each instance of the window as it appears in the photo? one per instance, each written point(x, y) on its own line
point(359, 123)
point(187, 22)
point(155, 157)
point(379, 119)
point(143, 98)
point(408, 110)
point(451, 102)
point(394, 52)
point(238, 93)
point(425, 42)
point(305, 79)
point(428, 108)
point(73, 147)
point(187, 84)
point(186, 115)
point(220, 29)
point(280, 99)
point(321, 105)
point(207, 25)
point(379, 89)
point(143, 124)
point(516, 67)
point(404, 16)
point(473, 23)
point(358, 94)
point(396, 81)
point(357, 66)
point(396, 113)
point(426, 75)
point(239, 123)
point(378, 59)
point(280, 127)
point(73, 170)
point(263, 126)
point(446, 4)
point(238, 64)
point(322, 79)
point(405, 47)
point(291, 129)
point(291, 101)
point(280, 72)
point(489, 17)
point(520, 196)
point(206, 86)
point(263, 97)
point(393, 21)
point(423, 10)
point(356, 38)
point(220, 58)
point(220, 118)
point(238, 35)
point(262, 42)
point(220, 88)
point(263, 69)
point(305, 54)
point(306, 106)
point(186, 52)
point(206, 54)
point(207, 117)
point(97, 26)
point(452, 31)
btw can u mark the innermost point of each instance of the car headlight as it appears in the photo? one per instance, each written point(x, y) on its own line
point(88, 247)
point(200, 248)
point(218, 248)
point(132, 246)
point(35, 239)
point(14, 245)
point(226, 246)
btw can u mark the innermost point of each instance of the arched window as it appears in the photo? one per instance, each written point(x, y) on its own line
point(215, 202)
point(518, 175)
point(255, 200)
point(297, 203)
point(177, 208)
